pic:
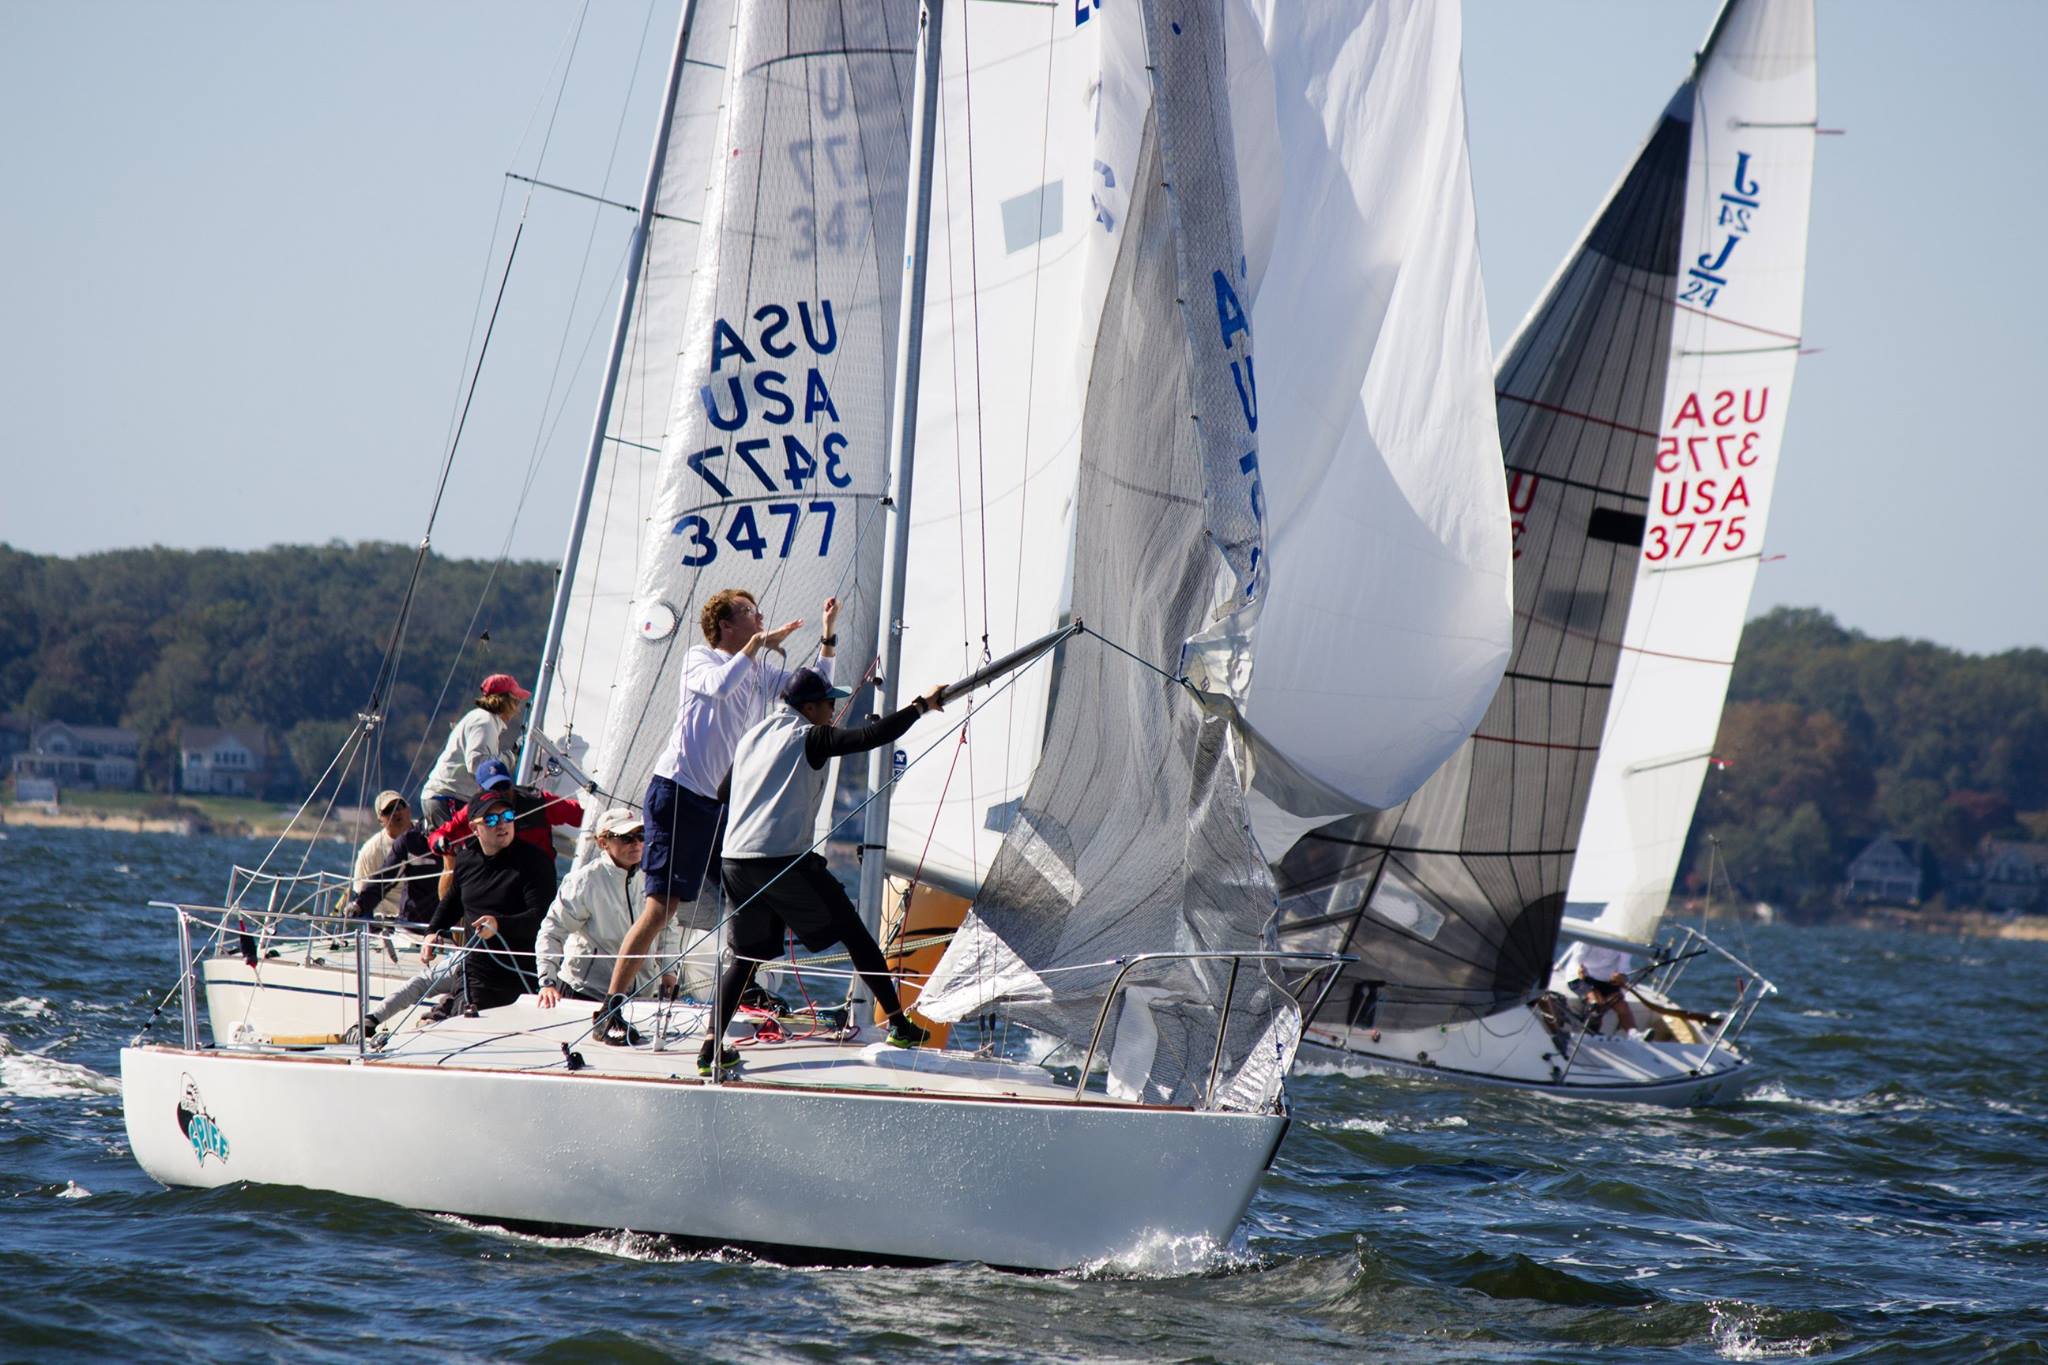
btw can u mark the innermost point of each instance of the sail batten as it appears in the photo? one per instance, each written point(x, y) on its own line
point(1742, 264)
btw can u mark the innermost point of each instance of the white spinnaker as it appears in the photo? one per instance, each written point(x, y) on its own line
point(1386, 617)
point(999, 415)
point(771, 471)
point(1735, 341)
point(601, 589)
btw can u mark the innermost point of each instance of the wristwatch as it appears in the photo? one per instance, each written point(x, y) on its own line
point(828, 640)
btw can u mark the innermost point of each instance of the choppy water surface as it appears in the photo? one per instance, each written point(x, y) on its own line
point(1882, 1194)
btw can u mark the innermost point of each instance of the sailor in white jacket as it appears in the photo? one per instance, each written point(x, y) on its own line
point(581, 934)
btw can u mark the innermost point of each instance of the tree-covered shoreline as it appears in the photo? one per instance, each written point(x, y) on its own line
point(288, 638)
point(1830, 737)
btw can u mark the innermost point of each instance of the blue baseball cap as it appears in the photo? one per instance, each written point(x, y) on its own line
point(492, 772)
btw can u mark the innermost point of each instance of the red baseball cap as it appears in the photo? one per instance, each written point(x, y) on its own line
point(501, 683)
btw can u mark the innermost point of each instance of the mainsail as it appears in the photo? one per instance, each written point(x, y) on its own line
point(1133, 834)
point(771, 467)
point(1452, 900)
point(1736, 341)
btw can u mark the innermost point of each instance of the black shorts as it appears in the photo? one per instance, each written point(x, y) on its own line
point(684, 831)
point(805, 899)
point(1594, 986)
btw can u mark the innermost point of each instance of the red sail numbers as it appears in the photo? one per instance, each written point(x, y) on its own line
point(1704, 466)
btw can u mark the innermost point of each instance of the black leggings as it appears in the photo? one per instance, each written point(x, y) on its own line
point(805, 897)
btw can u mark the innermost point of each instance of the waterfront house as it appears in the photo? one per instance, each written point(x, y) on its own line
point(86, 757)
point(223, 760)
point(2006, 874)
point(1888, 871)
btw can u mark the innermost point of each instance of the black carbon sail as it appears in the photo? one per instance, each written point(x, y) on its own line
point(1452, 900)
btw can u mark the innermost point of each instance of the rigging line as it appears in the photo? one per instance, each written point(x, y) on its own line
point(1181, 679)
point(1031, 363)
point(1596, 639)
point(974, 285)
point(342, 753)
point(1747, 350)
point(504, 552)
point(709, 935)
point(568, 61)
point(953, 369)
point(1573, 413)
point(598, 198)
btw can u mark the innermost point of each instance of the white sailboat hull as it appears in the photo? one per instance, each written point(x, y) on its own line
point(1512, 1050)
point(1022, 1183)
point(295, 997)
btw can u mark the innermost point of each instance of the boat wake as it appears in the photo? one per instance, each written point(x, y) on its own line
point(1160, 1256)
point(646, 1247)
point(31, 1075)
point(1885, 1099)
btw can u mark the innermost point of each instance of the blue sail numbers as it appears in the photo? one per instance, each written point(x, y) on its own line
point(1709, 273)
point(767, 371)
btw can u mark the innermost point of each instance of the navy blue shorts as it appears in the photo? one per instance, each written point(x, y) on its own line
point(684, 833)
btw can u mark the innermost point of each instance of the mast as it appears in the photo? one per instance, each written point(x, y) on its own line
point(594, 453)
point(902, 448)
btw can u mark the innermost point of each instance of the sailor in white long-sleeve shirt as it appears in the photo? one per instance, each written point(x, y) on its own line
point(726, 688)
point(596, 905)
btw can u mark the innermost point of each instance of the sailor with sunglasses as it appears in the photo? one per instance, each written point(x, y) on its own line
point(503, 886)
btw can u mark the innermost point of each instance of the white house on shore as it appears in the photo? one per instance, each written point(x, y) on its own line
point(1888, 871)
point(223, 761)
point(101, 757)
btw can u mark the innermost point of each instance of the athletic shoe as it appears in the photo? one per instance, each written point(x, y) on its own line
point(903, 1033)
point(728, 1061)
point(611, 1026)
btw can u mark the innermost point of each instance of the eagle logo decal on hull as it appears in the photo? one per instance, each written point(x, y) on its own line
point(198, 1126)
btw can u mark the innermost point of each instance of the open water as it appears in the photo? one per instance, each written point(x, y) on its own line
point(1882, 1194)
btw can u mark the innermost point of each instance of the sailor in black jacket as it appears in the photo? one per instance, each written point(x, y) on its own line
point(503, 886)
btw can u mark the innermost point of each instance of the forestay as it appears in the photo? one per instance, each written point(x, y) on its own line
point(771, 467)
point(999, 415)
point(1452, 901)
point(1133, 836)
point(1735, 343)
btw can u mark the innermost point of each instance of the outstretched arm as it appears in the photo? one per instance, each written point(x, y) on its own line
point(825, 742)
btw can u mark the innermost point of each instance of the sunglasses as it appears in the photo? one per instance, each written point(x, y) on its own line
point(636, 837)
point(497, 818)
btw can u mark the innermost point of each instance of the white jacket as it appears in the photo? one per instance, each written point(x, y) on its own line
point(581, 933)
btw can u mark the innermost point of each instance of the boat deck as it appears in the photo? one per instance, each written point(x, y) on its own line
point(524, 1037)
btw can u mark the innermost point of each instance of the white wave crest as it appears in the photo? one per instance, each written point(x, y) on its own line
point(1162, 1256)
point(629, 1246)
point(34, 1076)
point(1735, 1336)
point(1873, 1102)
point(28, 1007)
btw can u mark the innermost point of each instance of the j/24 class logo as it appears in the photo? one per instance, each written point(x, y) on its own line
point(198, 1126)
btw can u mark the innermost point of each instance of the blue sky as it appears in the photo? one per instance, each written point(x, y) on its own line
point(245, 245)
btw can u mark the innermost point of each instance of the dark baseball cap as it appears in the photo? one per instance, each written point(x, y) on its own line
point(809, 685)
